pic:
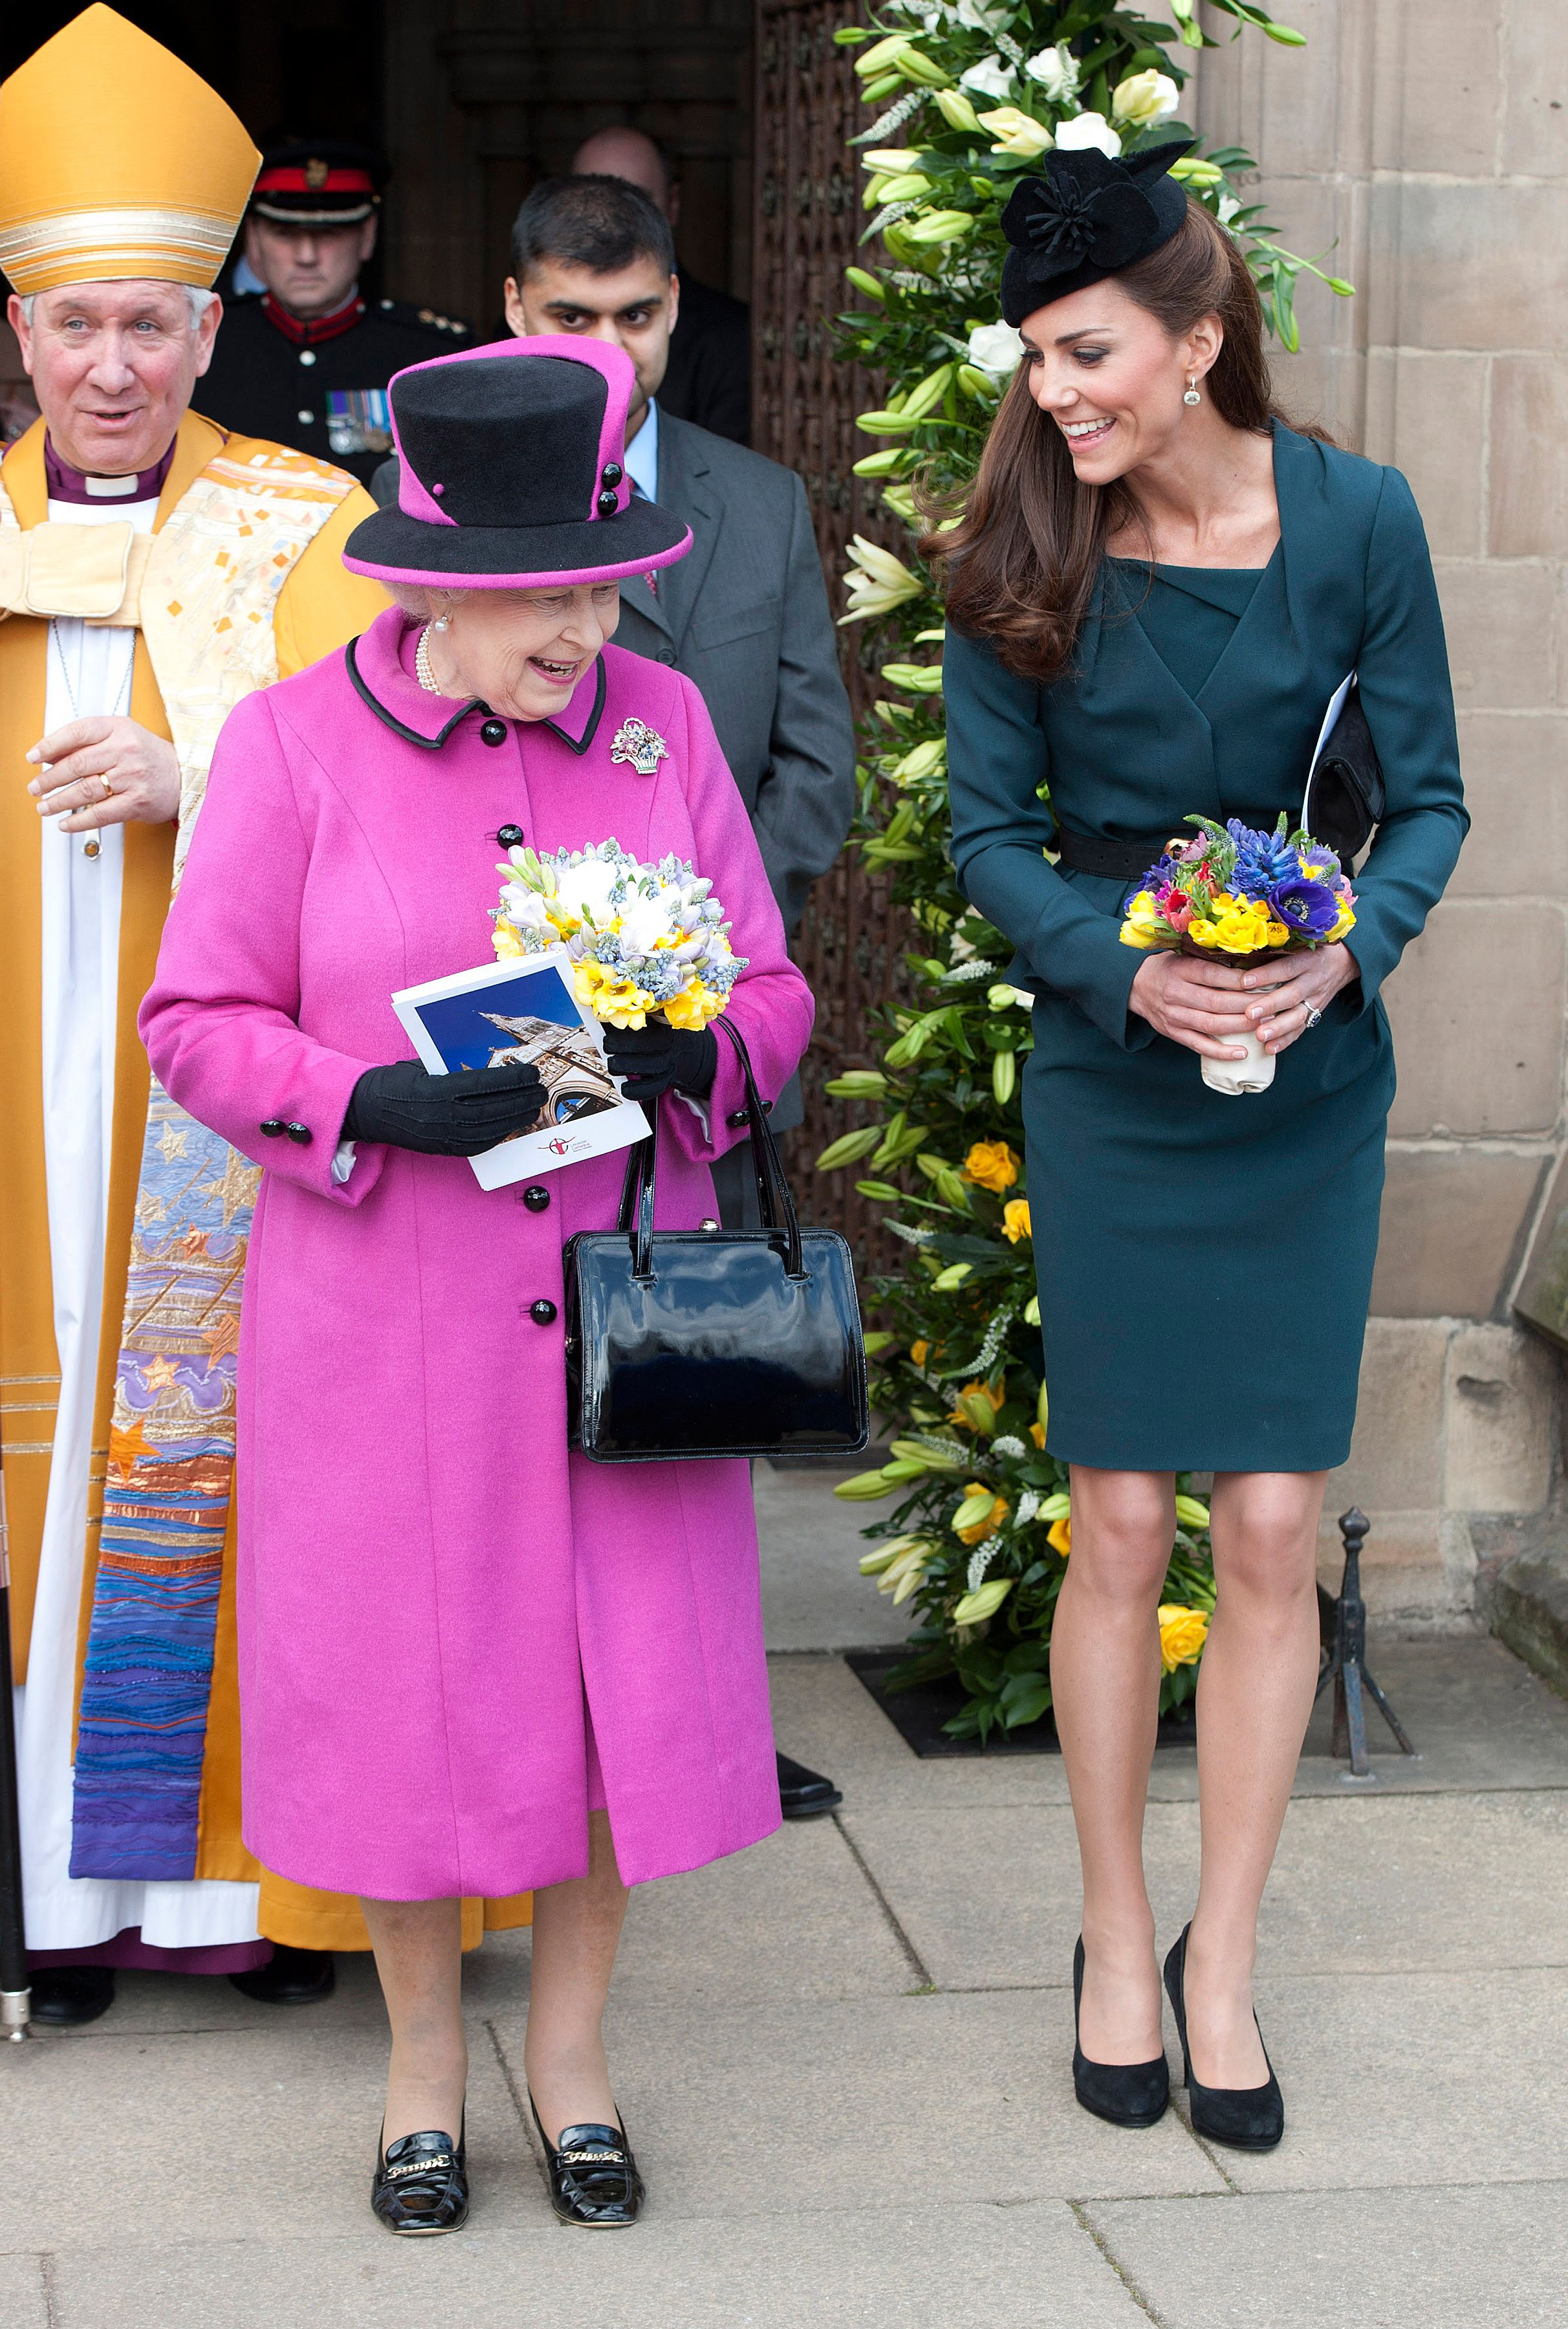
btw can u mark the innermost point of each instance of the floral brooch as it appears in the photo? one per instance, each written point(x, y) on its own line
point(639, 746)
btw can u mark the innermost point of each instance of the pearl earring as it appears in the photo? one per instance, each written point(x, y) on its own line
point(1192, 396)
point(440, 622)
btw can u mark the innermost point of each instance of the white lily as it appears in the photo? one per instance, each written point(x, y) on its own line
point(1017, 133)
point(1084, 130)
point(984, 15)
point(988, 78)
point(876, 581)
point(995, 349)
point(1228, 207)
point(1056, 70)
point(1144, 98)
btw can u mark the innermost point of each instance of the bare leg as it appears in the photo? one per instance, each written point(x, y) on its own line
point(577, 1929)
point(1105, 1691)
point(419, 1958)
point(1255, 1699)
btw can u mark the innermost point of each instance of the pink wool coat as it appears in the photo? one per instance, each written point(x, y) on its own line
point(429, 1583)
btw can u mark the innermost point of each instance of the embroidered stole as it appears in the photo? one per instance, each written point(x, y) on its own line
point(208, 592)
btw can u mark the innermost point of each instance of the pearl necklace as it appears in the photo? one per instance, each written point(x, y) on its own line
point(422, 671)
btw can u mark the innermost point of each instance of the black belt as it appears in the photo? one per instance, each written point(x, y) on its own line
point(1117, 860)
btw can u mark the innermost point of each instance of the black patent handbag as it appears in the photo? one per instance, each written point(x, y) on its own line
point(684, 1344)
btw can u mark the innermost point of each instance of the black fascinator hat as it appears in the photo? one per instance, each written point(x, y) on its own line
point(1087, 217)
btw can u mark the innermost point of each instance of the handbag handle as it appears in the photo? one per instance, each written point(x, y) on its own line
point(775, 1202)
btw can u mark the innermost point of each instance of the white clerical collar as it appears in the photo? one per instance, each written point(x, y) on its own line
point(643, 455)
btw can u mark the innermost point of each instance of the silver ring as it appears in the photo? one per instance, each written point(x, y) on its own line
point(1314, 1018)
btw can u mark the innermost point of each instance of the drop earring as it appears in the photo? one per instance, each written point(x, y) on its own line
point(1192, 396)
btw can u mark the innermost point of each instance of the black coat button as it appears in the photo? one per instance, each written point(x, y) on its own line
point(612, 473)
point(492, 732)
point(666, 654)
point(535, 1198)
point(511, 836)
point(272, 1125)
point(300, 1134)
point(541, 1311)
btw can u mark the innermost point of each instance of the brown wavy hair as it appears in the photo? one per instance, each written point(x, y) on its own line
point(1021, 561)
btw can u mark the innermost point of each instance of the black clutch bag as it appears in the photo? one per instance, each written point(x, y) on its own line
point(713, 1342)
point(1346, 794)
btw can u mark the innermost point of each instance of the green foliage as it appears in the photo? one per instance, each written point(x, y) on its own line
point(965, 98)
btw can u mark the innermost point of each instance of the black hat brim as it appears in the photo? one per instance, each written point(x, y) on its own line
point(396, 547)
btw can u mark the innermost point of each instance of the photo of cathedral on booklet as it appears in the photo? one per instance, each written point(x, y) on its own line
point(508, 1012)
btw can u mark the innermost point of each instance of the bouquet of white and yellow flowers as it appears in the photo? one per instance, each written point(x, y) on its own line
point(643, 939)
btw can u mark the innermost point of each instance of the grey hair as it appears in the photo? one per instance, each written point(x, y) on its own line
point(415, 599)
point(197, 301)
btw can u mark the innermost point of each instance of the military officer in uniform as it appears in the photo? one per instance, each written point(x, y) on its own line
point(307, 363)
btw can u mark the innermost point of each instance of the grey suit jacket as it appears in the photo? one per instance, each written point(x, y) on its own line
point(745, 615)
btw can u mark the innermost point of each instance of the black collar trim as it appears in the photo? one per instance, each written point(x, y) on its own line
point(390, 719)
point(475, 703)
point(596, 715)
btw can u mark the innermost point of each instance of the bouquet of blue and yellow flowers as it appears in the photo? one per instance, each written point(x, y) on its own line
point(1240, 893)
point(642, 938)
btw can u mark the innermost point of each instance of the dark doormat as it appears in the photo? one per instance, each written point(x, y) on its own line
point(918, 1714)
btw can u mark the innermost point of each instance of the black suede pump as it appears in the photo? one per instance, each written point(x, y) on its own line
point(1249, 2118)
point(1128, 2094)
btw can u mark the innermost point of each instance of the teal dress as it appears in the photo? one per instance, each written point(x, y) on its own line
point(1205, 1260)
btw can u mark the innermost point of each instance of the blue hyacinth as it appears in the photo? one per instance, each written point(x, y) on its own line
point(1264, 860)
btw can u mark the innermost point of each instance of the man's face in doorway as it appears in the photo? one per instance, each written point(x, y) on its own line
point(636, 307)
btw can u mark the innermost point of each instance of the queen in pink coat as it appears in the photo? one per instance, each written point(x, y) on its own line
point(471, 1662)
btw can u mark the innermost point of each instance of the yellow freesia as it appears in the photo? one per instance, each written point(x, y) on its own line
point(506, 942)
point(615, 998)
point(1016, 132)
point(1060, 1535)
point(693, 1007)
point(1182, 1634)
point(1015, 1220)
point(991, 1165)
point(1343, 920)
point(1141, 925)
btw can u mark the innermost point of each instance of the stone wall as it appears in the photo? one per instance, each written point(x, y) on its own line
point(1426, 141)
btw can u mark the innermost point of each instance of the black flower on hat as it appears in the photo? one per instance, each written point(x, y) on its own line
point(1087, 217)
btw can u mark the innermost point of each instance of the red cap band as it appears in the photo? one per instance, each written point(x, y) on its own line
point(294, 180)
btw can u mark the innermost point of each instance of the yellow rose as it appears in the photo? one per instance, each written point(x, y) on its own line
point(991, 1164)
point(976, 1531)
point(1015, 1220)
point(1060, 1535)
point(975, 1409)
point(1182, 1634)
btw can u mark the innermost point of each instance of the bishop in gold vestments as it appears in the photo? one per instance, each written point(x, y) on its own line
point(141, 596)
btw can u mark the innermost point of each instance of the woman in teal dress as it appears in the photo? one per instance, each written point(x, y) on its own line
point(1155, 589)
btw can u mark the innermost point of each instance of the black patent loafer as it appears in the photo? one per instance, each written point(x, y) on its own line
point(1128, 2094)
point(421, 2183)
point(64, 1996)
point(1248, 2118)
point(803, 1794)
point(592, 2176)
point(292, 1978)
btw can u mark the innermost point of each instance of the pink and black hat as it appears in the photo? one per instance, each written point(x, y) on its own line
point(512, 473)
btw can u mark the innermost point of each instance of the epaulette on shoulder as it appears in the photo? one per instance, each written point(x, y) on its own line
point(398, 311)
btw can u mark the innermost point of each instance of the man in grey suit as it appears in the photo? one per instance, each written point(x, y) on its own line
point(744, 615)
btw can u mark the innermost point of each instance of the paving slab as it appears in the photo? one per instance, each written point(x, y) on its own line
point(793, 1917)
point(1491, 2256)
point(1415, 2078)
point(928, 2094)
point(989, 1897)
point(813, 1596)
point(23, 2302)
point(894, 2267)
point(199, 2136)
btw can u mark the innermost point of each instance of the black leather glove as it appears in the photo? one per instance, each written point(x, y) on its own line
point(659, 1058)
point(457, 1115)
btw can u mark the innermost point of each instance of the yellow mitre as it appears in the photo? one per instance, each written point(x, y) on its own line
point(117, 160)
